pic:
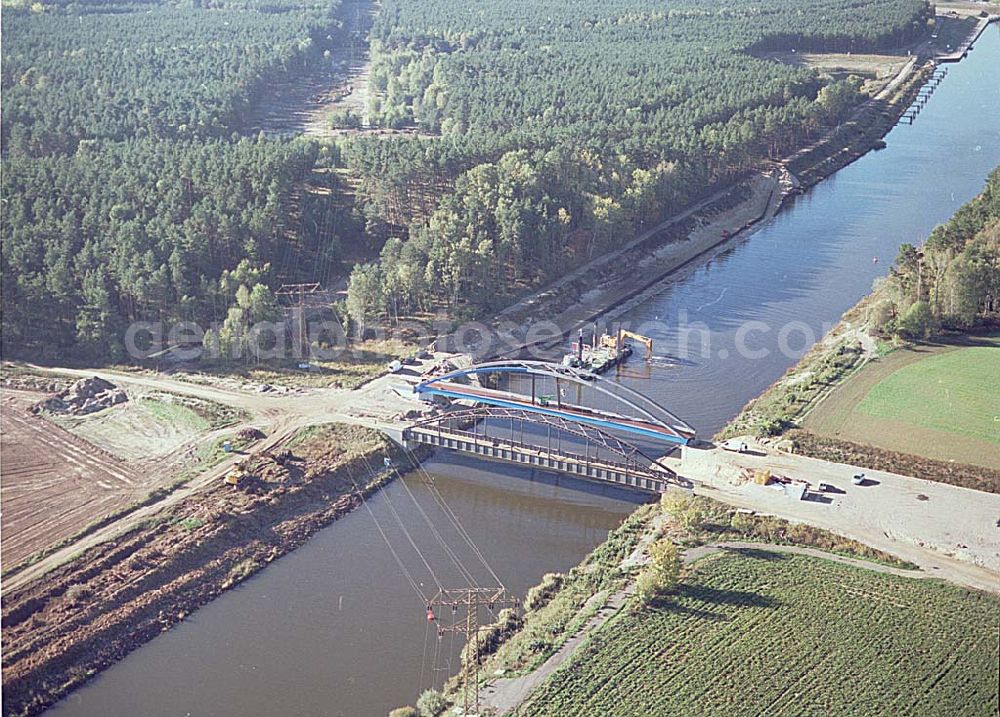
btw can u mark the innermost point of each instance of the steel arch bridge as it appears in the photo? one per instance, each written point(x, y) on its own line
point(598, 442)
point(595, 455)
point(650, 420)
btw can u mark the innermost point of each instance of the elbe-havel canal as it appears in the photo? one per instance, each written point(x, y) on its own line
point(334, 629)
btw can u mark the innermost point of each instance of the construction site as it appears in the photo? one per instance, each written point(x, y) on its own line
point(237, 478)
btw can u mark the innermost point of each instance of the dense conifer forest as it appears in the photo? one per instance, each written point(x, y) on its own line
point(569, 126)
point(543, 133)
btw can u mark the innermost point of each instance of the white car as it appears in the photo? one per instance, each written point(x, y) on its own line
point(735, 446)
point(395, 366)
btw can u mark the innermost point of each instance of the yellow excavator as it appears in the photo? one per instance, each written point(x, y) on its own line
point(617, 342)
point(234, 476)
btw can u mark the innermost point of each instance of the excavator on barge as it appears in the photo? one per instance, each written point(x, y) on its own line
point(605, 351)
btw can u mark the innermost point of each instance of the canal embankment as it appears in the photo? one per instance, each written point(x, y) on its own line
point(96, 609)
point(726, 217)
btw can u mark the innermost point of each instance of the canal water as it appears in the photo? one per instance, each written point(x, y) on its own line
point(335, 629)
point(732, 324)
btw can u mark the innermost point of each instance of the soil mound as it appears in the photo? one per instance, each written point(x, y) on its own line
point(88, 395)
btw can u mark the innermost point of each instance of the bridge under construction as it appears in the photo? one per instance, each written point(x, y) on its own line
point(545, 416)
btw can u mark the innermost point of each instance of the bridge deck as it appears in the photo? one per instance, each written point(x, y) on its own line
point(652, 480)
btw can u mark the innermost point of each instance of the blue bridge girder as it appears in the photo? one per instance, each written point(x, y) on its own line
point(654, 422)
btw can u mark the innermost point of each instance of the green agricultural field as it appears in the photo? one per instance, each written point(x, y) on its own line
point(767, 633)
point(937, 401)
point(955, 392)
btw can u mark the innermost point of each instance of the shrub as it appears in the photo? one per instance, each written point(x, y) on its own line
point(344, 119)
point(77, 593)
point(684, 509)
point(767, 427)
point(407, 711)
point(741, 523)
point(539, 596)
point(674, 503)
point(665, 561)
point(662, 573)
point(431, 704)
point(647, 587)
point(189, 524)
point(490, 637)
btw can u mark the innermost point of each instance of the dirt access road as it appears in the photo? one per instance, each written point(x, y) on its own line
point(951, 532)
point(302, 102)
point(280, 416)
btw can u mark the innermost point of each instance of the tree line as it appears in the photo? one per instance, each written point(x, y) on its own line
point(952, 281)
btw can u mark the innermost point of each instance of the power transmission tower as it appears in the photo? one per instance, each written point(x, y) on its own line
point(470, 600)
point(300, 291)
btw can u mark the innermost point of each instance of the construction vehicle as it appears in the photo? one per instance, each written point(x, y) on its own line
point(605, 352)
point(234, 475)
point(617, 342)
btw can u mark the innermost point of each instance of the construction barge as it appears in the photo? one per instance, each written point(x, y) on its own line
point(605, 352)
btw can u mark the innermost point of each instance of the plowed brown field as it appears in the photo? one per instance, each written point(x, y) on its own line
point(52, 483)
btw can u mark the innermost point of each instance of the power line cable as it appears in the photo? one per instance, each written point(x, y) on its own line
point(378, 526)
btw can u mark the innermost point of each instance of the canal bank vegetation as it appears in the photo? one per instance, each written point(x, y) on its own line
point(860, 134)
point(938, 297)
point(556, 608)
point(644, 562)
point(92, 611)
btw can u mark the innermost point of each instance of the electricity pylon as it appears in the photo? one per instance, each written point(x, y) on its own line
point(469, 600)
point(300, 291)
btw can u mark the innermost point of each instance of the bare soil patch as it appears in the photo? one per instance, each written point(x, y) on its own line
point(63, 474)
point(53, 483)
point(151, 425)
point(840, 65)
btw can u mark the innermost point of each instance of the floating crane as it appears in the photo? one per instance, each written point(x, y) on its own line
point(605, 352)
